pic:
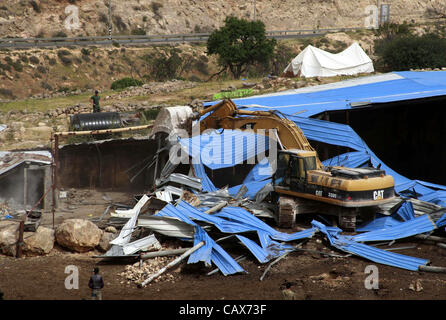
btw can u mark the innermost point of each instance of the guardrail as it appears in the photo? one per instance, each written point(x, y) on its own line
point(148, 39)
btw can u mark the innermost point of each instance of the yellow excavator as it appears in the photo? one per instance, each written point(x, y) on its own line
point(301, 183)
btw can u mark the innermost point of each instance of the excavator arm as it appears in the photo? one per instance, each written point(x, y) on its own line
point(226, 115)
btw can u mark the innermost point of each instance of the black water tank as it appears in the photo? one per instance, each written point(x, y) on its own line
point(95, 121)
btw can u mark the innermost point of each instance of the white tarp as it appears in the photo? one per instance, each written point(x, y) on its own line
point(314, 62)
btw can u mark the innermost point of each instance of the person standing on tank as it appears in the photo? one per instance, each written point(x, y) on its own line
point(95, 100)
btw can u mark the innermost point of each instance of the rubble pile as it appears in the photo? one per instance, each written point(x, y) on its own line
point(136, 273)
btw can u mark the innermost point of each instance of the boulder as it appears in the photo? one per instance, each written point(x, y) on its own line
point(104, 243)
point(9, 235)
point(78, 235)
point(40, 242)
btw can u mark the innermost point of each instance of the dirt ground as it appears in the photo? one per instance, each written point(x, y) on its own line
point(315, 276)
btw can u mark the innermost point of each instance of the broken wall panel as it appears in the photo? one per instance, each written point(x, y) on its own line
point(107, 165)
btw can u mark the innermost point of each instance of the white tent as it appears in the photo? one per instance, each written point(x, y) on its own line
point(314, 62)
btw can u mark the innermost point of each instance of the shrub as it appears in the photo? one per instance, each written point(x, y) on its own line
point(103, 18)
point(138, 32)
point(155, 6)
point(52, 62)
point(119, 23)
point(24, 59)
point(164, 64)
point(17, 66)
point(9, 60)
point(405, 52)
point(46, 85)
point(41, 69)
point(65, 60)
point(34, 60)
point(6, 67)
point(59, 34)
point(63, 52)
point(36, 6)
point(125, 83)
point(85, 51)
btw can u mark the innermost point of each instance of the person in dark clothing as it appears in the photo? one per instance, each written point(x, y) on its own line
point(96, 284)
point(95, 100)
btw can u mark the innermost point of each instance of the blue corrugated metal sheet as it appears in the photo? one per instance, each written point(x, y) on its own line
point(421, 224)
point(211, 251)
point(234, 220)
point(223, 149)
point(406, 211)
point(206, 183)
point(368, 252)
point(380, 222)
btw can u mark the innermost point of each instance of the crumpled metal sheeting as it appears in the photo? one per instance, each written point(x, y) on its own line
point(253, 188)
point(224, 149)
point(374, 254)
point(421, 224)
point(211, 251)
point(206, 183)
point(380, 222)
point(168, 226)
point(406, 211)
point(182, 179)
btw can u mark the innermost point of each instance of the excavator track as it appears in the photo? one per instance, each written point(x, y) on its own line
point(289, 208)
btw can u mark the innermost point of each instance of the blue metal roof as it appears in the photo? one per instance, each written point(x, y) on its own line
point(300, 104)
point(306, 102)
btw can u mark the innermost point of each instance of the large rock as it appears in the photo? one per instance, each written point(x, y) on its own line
point(78, 235)
point(9, 235)
point(104, 243)
point(40, 242)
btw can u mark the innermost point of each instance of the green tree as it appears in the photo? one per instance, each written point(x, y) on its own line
point(405, 52)
point(239, 44)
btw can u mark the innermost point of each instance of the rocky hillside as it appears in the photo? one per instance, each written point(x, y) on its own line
point(44, 18)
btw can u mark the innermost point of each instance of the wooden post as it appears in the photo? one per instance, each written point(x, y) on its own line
point(172, 264)
point(20, 241)
point(25, 187)
point(164, 253)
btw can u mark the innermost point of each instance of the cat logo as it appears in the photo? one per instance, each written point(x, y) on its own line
point(378, 195)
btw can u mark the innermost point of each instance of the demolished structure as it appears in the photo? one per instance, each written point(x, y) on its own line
point(213, 186)
point(229, 200)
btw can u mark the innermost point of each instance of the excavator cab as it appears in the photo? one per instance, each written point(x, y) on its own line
point(292, 167)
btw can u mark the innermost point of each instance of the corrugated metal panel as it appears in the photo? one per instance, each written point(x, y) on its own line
point(405, 229)
point(211, 251)
point(206, 183)
point(368, 252)
point(351, 159)
point(406, 211)
point(380, 222)
point(224, 149)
